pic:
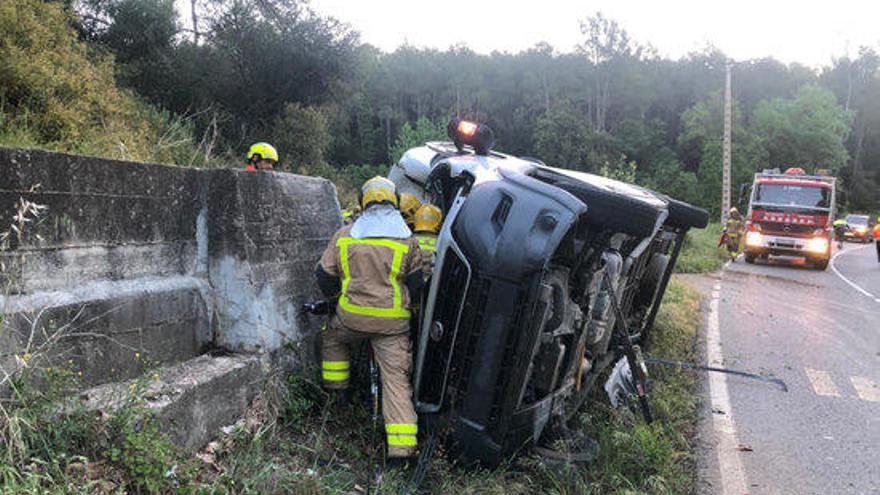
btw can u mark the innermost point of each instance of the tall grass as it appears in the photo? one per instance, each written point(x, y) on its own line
point(701, 253)
point(297, 439)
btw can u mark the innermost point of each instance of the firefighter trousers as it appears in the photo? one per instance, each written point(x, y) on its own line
point(393, 354)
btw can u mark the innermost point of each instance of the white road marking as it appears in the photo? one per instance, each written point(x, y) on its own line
point(866, 388)
point(848, 281)
point(822, 383)
point(733, 476)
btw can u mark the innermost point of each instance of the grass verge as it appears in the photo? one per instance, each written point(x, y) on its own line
point(701, 253)
point(296, 440)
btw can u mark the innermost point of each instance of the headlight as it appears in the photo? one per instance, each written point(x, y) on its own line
point(861, 230)
point(754, 239)
point(817, 245)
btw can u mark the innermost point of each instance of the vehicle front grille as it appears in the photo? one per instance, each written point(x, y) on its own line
point(467, 338)
point(438, 353)
point(783, 229)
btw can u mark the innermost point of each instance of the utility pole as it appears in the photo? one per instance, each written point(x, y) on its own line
point(725, 181)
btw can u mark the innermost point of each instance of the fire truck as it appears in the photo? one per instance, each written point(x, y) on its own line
point(790, 214)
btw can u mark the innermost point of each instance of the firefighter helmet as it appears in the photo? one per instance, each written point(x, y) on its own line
point(409, 205)
point(428, 219)
point(262, 151)
point(379, 190)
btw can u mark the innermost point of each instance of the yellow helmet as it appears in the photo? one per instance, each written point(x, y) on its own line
point(262, 151)
point(428, 219)
point(409, 204)
point(733, 211)
point(378, 190)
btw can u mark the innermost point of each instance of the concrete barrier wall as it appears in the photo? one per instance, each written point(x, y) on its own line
point(145, 264)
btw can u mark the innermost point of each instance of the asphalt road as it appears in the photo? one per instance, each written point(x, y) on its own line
point(819, 333)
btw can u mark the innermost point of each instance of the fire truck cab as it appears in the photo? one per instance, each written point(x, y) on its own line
point(790, 214)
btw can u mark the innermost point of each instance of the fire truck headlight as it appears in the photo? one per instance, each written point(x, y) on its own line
point(754, 239)
point(817, 245)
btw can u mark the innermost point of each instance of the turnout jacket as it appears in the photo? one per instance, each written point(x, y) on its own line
point(375, 278)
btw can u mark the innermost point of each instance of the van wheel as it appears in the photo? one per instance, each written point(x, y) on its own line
point(750, 258)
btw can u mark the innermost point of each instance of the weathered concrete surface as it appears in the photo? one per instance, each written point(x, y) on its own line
point(193, 399)
point(106, 220)
point(265, 234)
point(110, 330)
point(157, 260)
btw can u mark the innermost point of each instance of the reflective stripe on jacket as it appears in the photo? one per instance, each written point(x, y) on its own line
point(428, 247)
point(877, 232)
point(427, 242)
point(373, 298)
point(734, 225)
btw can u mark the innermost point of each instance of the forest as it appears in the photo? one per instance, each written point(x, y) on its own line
point(194, 83)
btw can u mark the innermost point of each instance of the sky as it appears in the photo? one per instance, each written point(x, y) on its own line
point(806, 31)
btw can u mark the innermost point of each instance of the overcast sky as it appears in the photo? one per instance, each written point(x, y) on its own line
point(805, 31)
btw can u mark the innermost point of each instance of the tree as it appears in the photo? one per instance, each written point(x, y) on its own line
point(808, 131)
point(140, 33)
point(301, 136)
point(700, 147)
point(562, 138)
point(607, 45)
point(55, 92)
point(412, 136)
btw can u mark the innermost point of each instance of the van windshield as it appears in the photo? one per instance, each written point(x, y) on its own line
point(794, 195)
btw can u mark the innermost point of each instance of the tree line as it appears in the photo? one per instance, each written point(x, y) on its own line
point(226, 73)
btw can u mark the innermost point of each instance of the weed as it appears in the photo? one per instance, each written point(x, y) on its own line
point(700, 253)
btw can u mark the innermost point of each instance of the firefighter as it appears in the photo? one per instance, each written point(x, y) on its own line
point(840, 227)
point(409, 205)
point(427, 224)
point(733, 232)
point(374, 268)
point(351, 213)
point(876, 233)
point(261, 156)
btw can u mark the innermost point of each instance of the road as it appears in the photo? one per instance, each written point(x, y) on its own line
point(818, 331)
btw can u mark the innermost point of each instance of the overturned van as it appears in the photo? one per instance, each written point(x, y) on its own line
point(517, 322)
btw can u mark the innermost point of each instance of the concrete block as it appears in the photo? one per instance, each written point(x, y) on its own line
point(192, 399)
point(111, 330)
point(266, 232)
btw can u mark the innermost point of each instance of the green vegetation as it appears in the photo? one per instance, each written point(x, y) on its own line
point(57, 92)
point(223, 74)
point(701, 253)
point(51, 444)
point(296, 439)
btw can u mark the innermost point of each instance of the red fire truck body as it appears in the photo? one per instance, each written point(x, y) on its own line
point(790, 214)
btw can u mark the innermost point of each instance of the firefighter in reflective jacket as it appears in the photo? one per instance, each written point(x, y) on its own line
point(733, 230)
point(374, 268)
point(876, 233)
point(427, 224)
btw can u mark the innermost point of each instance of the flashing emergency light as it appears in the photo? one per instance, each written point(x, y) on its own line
point(464, 132)
point(466, 128)
point(795, 171)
